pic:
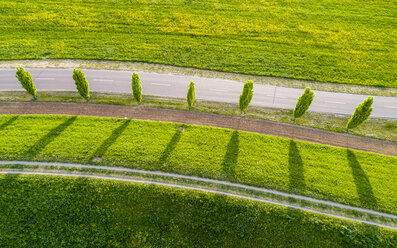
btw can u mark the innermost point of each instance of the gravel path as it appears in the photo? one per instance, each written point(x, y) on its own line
point(189, 117)
point(201, 189)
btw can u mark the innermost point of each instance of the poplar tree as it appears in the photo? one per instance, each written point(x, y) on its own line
point(246, 95)
point(303, 103)
point(136, 87)
point(81, 84)
point(361, 113)
point(26, 80)
point(191, 94)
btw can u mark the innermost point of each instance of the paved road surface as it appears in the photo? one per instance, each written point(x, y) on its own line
point(206, 89)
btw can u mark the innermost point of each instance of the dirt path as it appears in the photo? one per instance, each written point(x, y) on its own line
point(205, 119)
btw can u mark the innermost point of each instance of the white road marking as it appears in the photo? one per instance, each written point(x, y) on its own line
point(161, 84)
point(12, 90)
point(335, 102)
point(262, 94)
point(393, 107)
point(45, 78)
point(218, 90)
point(103, 80)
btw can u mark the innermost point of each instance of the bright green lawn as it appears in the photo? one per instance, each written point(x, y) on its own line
point(357, 178)
point(332, 40)
point(44, 211)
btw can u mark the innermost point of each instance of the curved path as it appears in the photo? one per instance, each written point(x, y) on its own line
point(241, 186)
point(221, 90)
point(200, 189)
point(190, 117)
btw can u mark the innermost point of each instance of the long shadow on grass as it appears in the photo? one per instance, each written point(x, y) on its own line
point(231, 156)
point(363, 186)
point(48, 138)
point(170, 147)
point(110, 140)
point(295, 166)
point(7, 123)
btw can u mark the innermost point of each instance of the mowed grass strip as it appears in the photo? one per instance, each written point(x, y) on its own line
point(53, 211)
point(336, 41)
point(357, 178)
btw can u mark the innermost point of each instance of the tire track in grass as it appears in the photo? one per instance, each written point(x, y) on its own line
point(156, 173)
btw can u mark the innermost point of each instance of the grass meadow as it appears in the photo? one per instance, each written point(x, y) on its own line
point(344, 41)
point(356, 178)
point(48, 211)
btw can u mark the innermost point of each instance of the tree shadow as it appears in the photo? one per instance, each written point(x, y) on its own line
point(230, 159)
point(170, 147)
point(100, 151)
point(363, 186)
point(48, 138)
point(295, 167)
point(7, 123)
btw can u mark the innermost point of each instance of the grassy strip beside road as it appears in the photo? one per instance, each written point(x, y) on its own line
point(378, 128)
point(356, 178)
point(112, 213)
point(337, 41)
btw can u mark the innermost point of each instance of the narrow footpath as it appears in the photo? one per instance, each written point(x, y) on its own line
point(190, 117)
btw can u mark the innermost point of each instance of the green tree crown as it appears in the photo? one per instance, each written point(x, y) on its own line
point(136, 87)
point(81, 84)
point(303, 103)
point(246, 95)
point(26, 81)
point(362, 112)
point(191, 94)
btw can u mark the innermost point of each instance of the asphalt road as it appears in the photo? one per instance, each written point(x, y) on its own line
point(220, 90)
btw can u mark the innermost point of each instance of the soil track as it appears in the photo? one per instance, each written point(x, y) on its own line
point(189, 117)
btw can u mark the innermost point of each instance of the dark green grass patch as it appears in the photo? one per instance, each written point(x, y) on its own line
point(350, 42)
point(45, 211)
point(357, 178)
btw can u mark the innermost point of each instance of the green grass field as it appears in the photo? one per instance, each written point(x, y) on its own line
point(352, 177)
point(350, 42)
point(43, 211)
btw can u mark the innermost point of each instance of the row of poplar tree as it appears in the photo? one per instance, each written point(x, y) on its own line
point(361, 113)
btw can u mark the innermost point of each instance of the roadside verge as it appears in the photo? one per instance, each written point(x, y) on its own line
point(204, 119)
